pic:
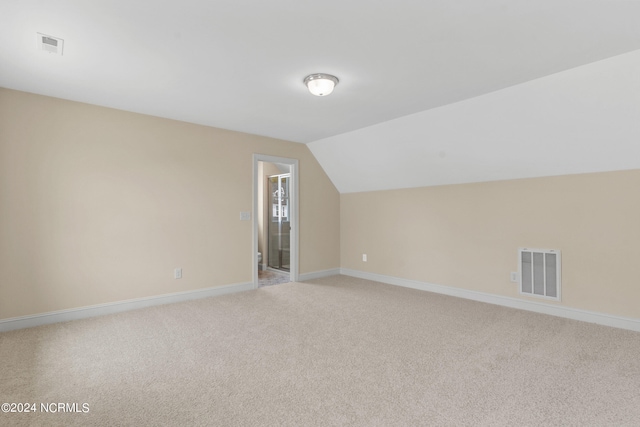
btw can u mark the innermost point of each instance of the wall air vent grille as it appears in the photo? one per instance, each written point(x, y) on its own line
point(49, 43)
point(540, 272)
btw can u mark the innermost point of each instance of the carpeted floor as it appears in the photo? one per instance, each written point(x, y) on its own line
point(336, 351)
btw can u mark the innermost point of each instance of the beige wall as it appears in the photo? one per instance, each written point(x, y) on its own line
point(467, 236)
point(99, 205)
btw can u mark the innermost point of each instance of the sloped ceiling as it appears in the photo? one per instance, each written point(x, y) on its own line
point(583, 120)
point(240, 64)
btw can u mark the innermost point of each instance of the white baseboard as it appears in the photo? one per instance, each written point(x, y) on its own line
point(538, 307)
point(117, 307)
point(120, 306)
point(318, 274)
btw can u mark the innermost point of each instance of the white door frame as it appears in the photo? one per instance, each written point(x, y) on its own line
point(294, 193)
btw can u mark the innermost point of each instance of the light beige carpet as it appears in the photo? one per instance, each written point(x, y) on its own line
point(335, 352)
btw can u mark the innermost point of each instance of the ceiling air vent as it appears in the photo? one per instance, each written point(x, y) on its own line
point(49, 43)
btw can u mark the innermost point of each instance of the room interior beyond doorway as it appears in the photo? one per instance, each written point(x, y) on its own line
point(274, 223)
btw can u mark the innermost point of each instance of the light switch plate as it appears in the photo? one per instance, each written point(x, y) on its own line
point(245, 216)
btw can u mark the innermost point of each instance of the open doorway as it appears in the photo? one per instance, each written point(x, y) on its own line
point(278, 226)
point(275, 220)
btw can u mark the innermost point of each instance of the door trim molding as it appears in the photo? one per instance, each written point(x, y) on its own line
point(294, 213)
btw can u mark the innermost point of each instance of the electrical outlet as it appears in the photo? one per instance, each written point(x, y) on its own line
point(364, 257)
point(514, 276)
point(177, 273)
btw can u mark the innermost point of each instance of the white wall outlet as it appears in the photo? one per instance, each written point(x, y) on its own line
point(514, 276)
point(177, 273)
point(364, 257)
point(245, 216)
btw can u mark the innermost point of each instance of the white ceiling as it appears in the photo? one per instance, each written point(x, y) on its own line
point(240, 64)
point(586, 119)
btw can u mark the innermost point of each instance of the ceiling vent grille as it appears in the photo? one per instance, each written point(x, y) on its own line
point(540, 272)
point(49, 44)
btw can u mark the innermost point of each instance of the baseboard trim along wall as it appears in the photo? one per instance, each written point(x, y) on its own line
point(117, 307)
point(538, 307)
point(318, 274)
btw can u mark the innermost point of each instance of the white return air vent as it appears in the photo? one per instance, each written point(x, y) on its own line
point(540, 272)
point(49, 44)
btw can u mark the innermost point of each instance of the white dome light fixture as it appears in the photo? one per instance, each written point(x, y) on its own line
point(321, 84)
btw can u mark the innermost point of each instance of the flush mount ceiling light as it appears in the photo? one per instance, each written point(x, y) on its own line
point(321, 84)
